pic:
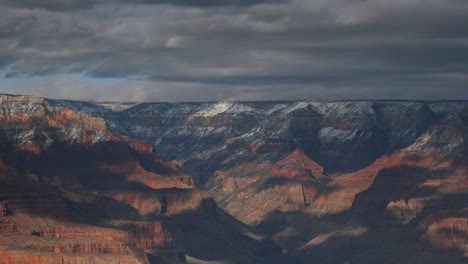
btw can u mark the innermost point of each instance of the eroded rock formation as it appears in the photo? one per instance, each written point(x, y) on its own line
point(326, 182)
point(301, 170)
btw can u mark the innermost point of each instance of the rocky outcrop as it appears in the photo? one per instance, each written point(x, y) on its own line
point(449, 232)
point(18, 256)
point(43, 229)
point(169, 202)
point(297, 166)
point(56, 161)
point(32, 124)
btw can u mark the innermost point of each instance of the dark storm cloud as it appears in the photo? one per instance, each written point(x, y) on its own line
point(50, 4)
point(60, 5)
point(206, 3)
point(242, 49)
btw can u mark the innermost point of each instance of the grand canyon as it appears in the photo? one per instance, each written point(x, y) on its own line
point(352, 181)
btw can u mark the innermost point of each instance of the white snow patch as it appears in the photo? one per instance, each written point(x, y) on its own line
point(224, 108)
point(343, 108)
point(251, 132)
point(296, 106)
point(199, 132)
point(275, 109)
point(117, 107)
point(330, 134)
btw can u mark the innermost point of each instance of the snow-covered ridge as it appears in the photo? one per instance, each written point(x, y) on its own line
point(21, 98)
point(332, 108)
point(117, 107)
point(336, 132)
point(224, 108)
point(39, 121)
point(259, 108)
point(295, 106)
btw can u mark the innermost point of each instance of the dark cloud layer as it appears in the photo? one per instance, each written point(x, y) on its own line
point(62, 5)
point(50, 4)
point(234, 49)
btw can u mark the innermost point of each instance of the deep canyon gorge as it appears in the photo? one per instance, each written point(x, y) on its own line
point(358, 181)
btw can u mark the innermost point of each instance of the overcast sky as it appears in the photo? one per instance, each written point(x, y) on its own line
point(202, 50)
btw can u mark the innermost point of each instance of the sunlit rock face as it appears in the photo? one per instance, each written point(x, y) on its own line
point(60, 171)
point(326, 182)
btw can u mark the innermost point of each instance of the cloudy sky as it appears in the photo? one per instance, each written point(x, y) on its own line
point(201, 50)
